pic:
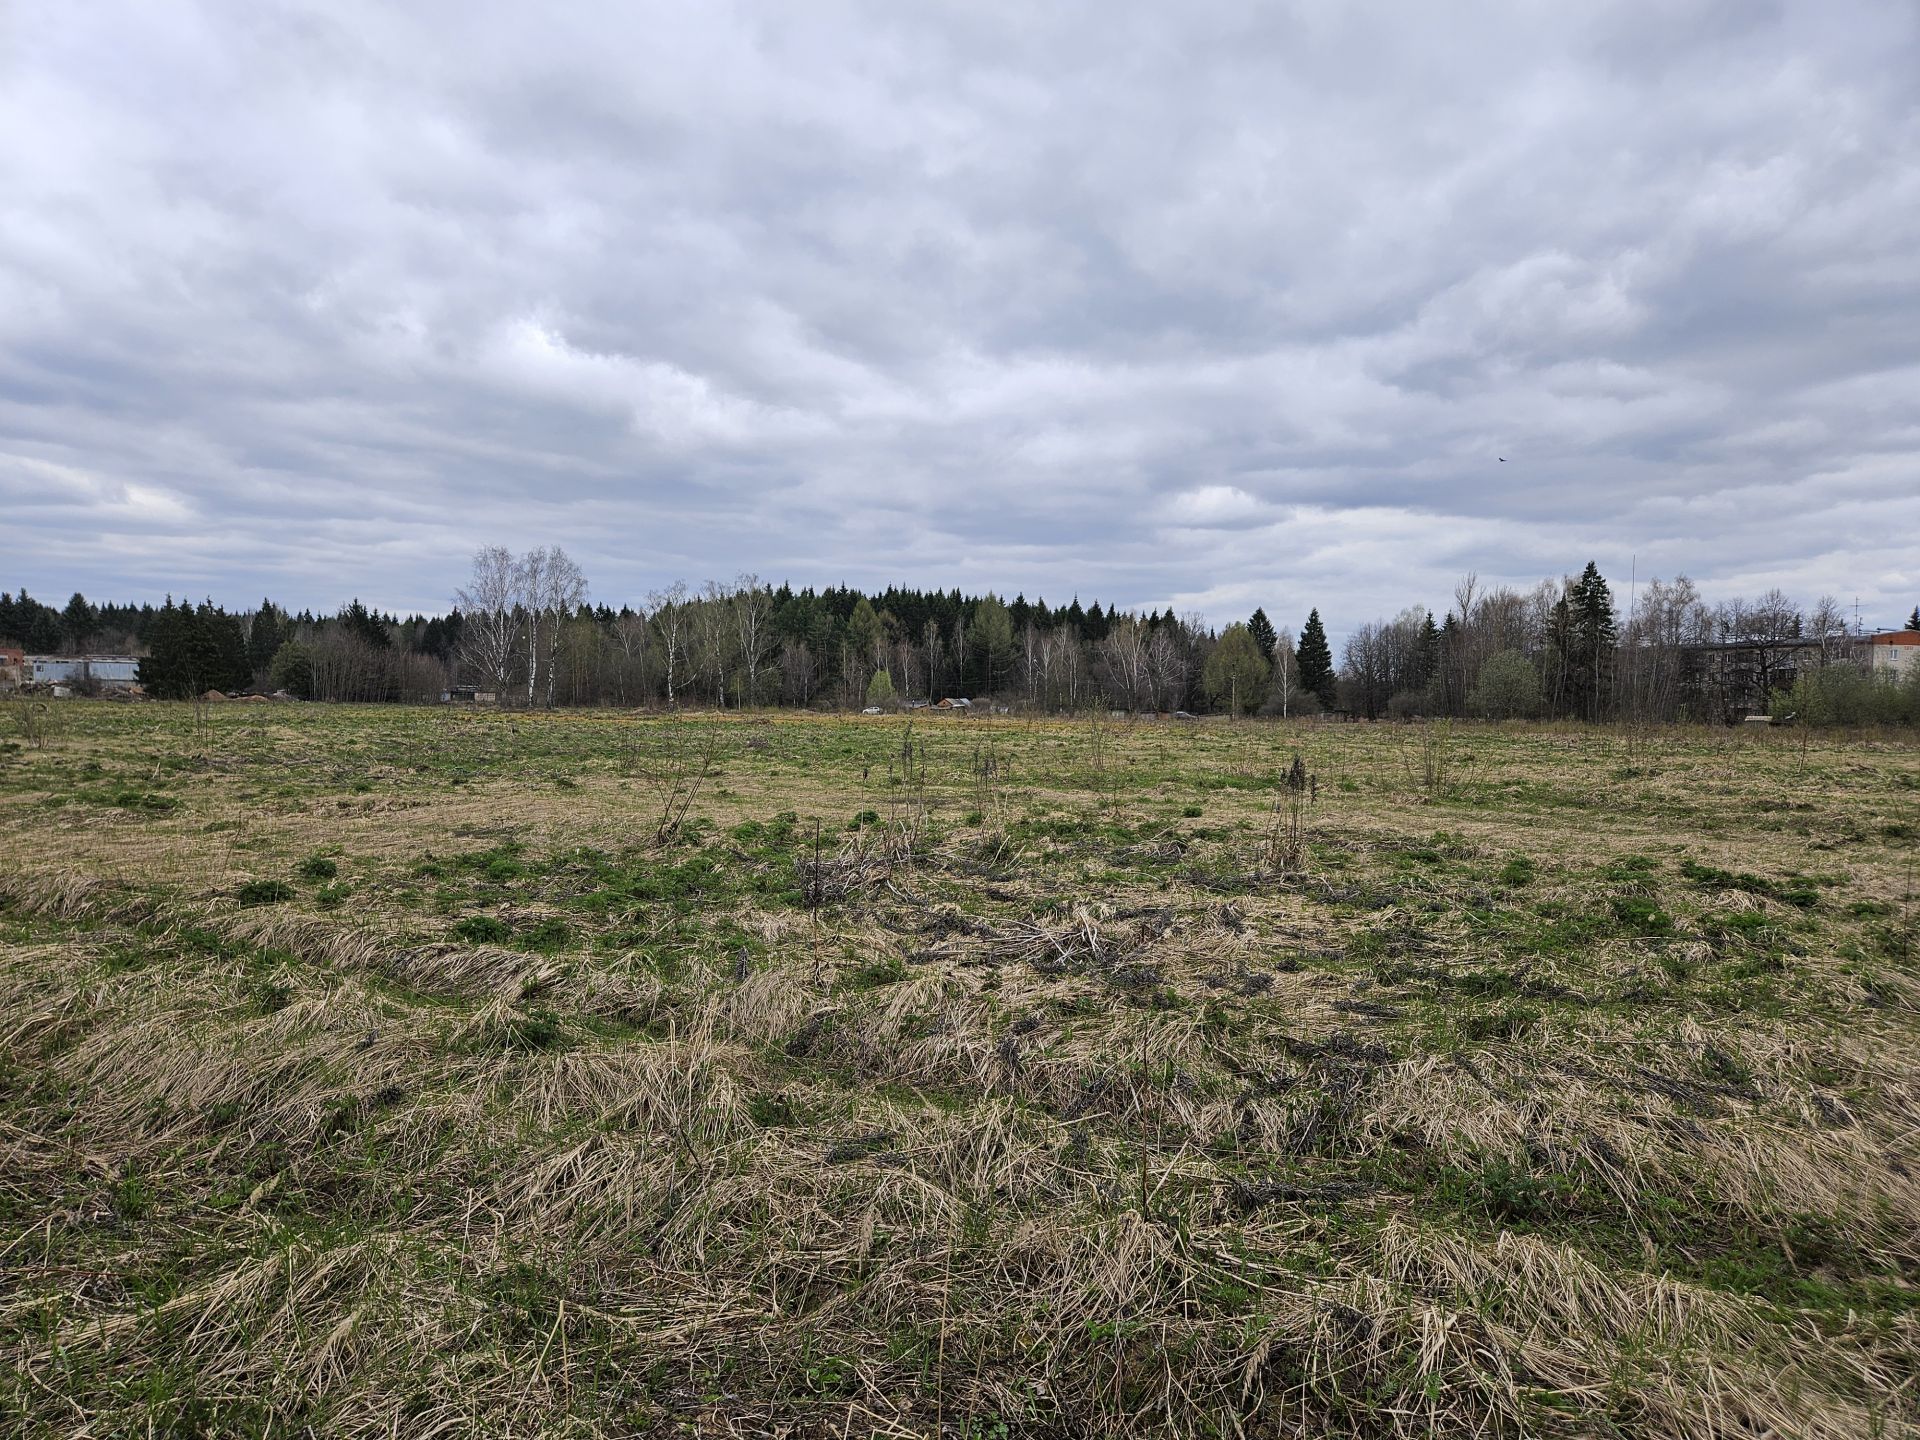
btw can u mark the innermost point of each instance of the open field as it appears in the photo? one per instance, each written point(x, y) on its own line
point(372, 1071)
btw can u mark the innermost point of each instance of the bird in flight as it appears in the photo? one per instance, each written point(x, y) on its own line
point(1501, 458)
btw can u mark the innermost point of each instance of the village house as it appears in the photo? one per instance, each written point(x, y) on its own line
point(1893, 652)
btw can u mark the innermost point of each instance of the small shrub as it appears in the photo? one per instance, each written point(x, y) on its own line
point(482, 930)
point(318, 867)
point(264, 892)
point(1192, 812)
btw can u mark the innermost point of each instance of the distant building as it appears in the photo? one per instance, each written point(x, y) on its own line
point(13, 667)
point(109, 672)
point(1894, 652)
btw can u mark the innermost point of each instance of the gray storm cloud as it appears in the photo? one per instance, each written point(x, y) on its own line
point(1170, 305)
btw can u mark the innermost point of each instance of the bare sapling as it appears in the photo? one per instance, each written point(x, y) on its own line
point(677, 776)
point(33, 720)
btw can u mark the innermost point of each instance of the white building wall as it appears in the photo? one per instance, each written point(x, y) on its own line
point(1897, 660)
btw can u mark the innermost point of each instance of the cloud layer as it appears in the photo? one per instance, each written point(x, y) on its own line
point(1205, 305)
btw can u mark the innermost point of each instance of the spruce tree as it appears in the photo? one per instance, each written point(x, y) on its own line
point(1595, 632)
point(1913, 620)
point(992, 637)
point(79, 620)
point(37, 626)
point(267, 634)
point(1426, 659)
point(1314, 659)
point(160, 670)
point(1262, 631)
point(363, 625)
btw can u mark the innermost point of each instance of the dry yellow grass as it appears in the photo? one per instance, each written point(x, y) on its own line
point(377, 1072)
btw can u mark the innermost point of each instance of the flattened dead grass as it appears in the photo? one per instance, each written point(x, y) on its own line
point(1068, 1116)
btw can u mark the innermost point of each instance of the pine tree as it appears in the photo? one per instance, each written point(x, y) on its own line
point(1314, 659)
point(1913, 620)
point(1263, 634)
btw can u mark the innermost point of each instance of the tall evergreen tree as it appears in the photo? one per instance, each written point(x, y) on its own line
point(363, 625)
point(266, 635)
point(1314, 659)
point(193, 649)
point(991, 636)
point(161, 672)
point(79, 620)
point(1913, 620)
point(1263, 633)
point(1426, 656)
point(1595, 632)
point(35, 627)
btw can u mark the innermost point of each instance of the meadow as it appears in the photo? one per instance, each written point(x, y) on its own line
point(370, 1071)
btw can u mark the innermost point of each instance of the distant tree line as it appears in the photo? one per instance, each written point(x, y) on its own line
point(1563, 650)
point(522, 628)
point(188, 649)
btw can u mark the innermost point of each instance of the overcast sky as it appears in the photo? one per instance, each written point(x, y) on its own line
point(1209, 305)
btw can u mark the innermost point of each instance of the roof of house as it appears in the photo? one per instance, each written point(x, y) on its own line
point(1895, 637)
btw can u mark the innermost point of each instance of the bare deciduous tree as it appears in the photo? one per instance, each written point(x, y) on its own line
point(752, 617)
point(489, 628)
point(669, 607)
